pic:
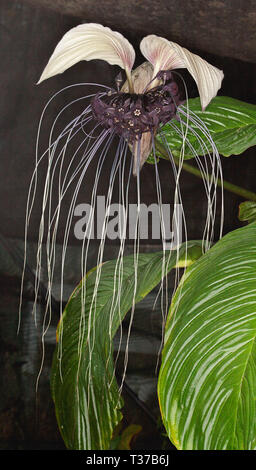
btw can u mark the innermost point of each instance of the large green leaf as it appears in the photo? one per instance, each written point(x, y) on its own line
point(232, 125)
point(84, 389)
point(207, 380)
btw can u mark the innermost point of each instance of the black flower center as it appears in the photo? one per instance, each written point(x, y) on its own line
point(130, 115)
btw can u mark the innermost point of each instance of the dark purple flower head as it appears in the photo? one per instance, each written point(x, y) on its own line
point(130, 115)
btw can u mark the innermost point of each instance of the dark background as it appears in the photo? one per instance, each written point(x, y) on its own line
point(223, 32)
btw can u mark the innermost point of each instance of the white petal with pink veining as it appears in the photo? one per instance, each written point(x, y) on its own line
point(87, 42)
point(157, 51)
point(167, 55)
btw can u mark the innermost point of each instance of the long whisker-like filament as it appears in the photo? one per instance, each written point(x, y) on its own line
point(118, 275)
point(33, 183)
point(121, 151)
point(214, 158)
point(135, 256)
point(164, 279)
point(104, 151)
point(55, 164)
point(179, 225)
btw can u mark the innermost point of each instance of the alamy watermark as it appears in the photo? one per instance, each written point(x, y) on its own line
point(115, 221)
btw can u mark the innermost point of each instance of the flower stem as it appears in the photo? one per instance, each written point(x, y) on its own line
point(233, 188)
point(129, 80)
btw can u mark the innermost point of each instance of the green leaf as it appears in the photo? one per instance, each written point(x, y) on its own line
point(84, 388)
point(232, 125)
point(151, 159)
point(207, 380)
point(247, 211)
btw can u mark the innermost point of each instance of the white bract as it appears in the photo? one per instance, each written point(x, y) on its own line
point(94, 41)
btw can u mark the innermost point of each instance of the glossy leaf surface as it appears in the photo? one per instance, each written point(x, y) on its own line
point(231, 123)
point(207, 379)
point(247, 211)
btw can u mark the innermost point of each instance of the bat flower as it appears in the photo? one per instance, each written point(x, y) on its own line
point(149, 97)
point(131, 114)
